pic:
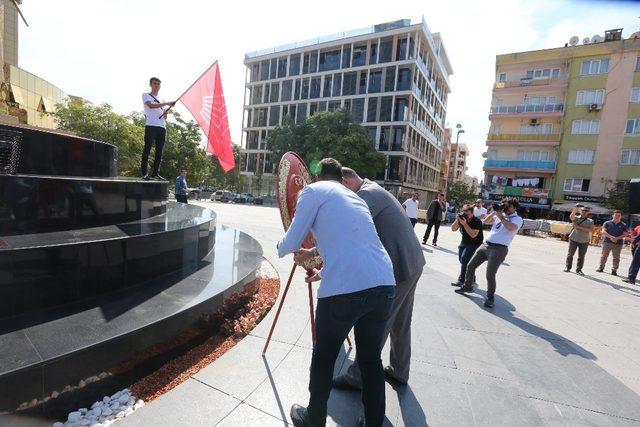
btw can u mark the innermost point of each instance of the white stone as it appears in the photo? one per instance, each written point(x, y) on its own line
point(123, 399)
point(120, 415)
point(74, 417)
point(84, 422)
point(97, 411)
point(34, 402)
point(83, 410)
point(96, 404)
point(92, 379)
point(58, 424)
point(106, 399)
point(131, 401)
point(106, 412)
point(82, 384)
point(54, 394)
point(116, 395)
point(128, 412)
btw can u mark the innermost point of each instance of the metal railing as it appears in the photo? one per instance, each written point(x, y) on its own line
point(531, 82)
point(520, 164)
point(523, 137)
point(527, 108)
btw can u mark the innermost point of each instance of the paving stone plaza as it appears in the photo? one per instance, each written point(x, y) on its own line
point(557, 349)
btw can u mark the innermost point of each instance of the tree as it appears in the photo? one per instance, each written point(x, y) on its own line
point(328, 134)
point(617, 197)
point(461, 193)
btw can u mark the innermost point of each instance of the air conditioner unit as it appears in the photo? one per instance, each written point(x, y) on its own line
point(534, 121)
point(594, 107)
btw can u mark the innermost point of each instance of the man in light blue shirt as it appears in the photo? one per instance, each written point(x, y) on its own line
point(356, 290)
point(181, 187)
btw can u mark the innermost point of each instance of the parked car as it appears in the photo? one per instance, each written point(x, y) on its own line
point(258, 200)
point(193, 193)
point(248, 197)
point(207, 193)
point(223, 196)
point(239, 198)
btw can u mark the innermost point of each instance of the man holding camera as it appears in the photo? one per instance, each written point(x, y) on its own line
point(506, 223)
point(579, 237)
point(471, 229)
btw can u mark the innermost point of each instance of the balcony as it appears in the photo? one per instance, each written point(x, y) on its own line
point(520, 165)
point(542, 139)
point(530, 83)
point(527, 110)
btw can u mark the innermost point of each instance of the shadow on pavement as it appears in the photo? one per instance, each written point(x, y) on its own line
point(634, 292)
point(505, 310)
point(274, 388)
point(410, 408)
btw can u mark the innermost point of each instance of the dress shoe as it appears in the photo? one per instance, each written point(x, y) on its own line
point(600, 270)
point(391, 378)
point(145, 177)
point(424, 242)
point(627, 280)
point(158, 177)
point(299, 416)
point(614, 272)
point(463, 290)
point(457, 283)
point(579, 273)
point(434, 244)
point(488, 302)
point(343, 383)
point(567, 270)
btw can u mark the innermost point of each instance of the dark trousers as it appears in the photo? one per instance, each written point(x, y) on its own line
point(153, 135)
point(367, 312)
point(182, 198)
point(494, 255)
point(432, 223)
point(635, 265)
point(413, 222)
point(465, 253)
point(582, 251)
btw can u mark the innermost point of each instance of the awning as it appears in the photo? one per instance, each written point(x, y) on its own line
point(568, 207)
point(18, 94)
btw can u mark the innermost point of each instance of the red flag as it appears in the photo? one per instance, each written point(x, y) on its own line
point(205, 100)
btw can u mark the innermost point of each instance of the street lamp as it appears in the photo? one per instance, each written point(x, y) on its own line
point(455, 157)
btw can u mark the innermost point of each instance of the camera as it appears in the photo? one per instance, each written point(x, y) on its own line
point(499, 207)
point(462, 216)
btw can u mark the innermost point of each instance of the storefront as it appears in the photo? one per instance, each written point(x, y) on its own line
point(534, 202)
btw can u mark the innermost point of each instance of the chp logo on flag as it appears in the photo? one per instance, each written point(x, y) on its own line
point(205, 100)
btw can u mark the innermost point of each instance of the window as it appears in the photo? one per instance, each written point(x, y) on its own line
point(330, 60)
point(358, 110)
point(301, 113)
point(588, 97)
point(373, 53)
point(385, 108)
point(294, 65)
point(386, 45)
point(502, 77)
point(282, 67)
point(630, 157)
point(492, 154)
point(326, 91)
point(362, 86)
point(286, 90)
point(264, 75)
point(315, 88)
point(543, 73)
point(390, 79)
point(337, 84)
point(256, 95)
point(372, 109)
point(313, 64)
point(635, 95)
point(296, 92)
point(375, 81)
point(581, 157)
point(633, 127)
point(404, 79)
point(536, 156)
point(539, 129)
point(497, 129)
point(385, 138)
point(275, 91)
point(595, 66)
point(305, 89)
point(401, 49)
point(274, 116)
point(398, 138)
point(349, 84)
point(359, 55)
point(585, 127)
point(638, 63)
point(274, 68)
point(346, 56)
point(576, 185)
point(400, 110)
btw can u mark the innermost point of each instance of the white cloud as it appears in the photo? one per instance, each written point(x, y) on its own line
point(106, 50)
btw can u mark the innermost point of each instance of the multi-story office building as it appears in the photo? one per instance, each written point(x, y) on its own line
point(393, 77)
point(563, 122)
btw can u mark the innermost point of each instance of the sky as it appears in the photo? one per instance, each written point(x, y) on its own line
point(105, 51)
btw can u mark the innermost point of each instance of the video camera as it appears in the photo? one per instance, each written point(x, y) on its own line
point(499, 207)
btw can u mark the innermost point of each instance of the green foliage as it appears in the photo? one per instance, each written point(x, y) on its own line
point(460, 193)
point(617, 197)
point(181, 151)
point(328, 134)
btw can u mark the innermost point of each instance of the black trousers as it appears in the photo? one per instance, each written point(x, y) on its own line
point(413, 222)
point(182, 198)
point(367, 312)
point(432, 223)
point(153, 135)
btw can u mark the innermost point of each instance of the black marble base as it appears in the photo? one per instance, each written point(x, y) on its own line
point(75, 342)
point(38, 271)
point(40, 204)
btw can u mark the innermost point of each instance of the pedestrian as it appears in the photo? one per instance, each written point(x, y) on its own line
point(434, 218)
point(447, 206)
point(579, 237)
point(154, 129)
point(479, 211)
point(181, 190)
point(470, 228)
point(403, 247)
point(635, 261)
point(506, 223)
point(356, 290)
point(614, 232)
point(411, 208)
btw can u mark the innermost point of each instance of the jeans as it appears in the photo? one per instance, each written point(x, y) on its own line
point(582, 251)
point(367, 312)
point(494, 255)
point(465, 252)
point(432, 223)
point(635, 265)
point(614, 248)
point(153, 135)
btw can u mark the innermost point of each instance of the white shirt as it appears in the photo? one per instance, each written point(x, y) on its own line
point(412, 208)
point(479, 212)
point(346, 238)
point(152, 115)
point(499, 233)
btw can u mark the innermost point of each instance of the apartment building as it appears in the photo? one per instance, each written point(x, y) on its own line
point(458, 162)
point(444, 162)
point(564, 122)
point(393, 77)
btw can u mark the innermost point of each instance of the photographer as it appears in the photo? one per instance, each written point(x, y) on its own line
point(579, 237)
point(471, 229)
point(506, 224)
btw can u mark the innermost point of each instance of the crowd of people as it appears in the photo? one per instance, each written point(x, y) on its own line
point(372, 261)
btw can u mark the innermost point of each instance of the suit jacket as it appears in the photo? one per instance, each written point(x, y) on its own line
point(431, 211)
point(394, 229)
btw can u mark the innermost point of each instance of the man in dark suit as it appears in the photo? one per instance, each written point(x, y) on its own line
point(434, 218)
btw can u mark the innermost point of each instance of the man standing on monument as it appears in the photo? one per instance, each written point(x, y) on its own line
point(356, 291)
point(154, 129)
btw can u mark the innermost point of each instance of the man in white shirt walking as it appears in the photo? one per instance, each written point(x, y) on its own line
point(154, 129)
point(506, 224)
point(411, 208)
point(356, 291)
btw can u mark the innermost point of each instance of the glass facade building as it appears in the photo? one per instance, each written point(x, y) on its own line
point(393, 78)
